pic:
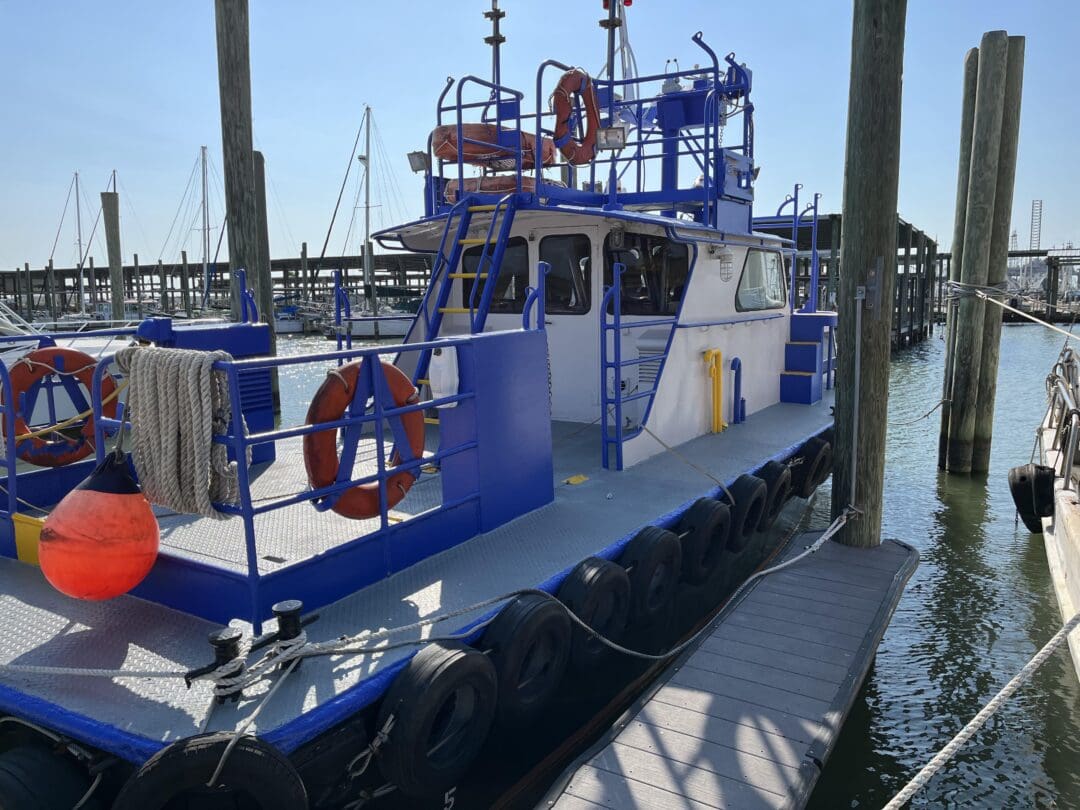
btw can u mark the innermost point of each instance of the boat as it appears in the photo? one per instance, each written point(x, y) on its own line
point(1045, 490)
point(606, 414)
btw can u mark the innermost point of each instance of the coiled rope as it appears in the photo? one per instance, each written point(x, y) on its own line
point(967, 732)
point(176, 403)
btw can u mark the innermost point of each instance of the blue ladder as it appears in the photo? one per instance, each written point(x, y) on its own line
point(447, 270)
point(613, 433)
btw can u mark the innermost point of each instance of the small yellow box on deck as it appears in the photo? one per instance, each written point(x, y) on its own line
point(27, 535)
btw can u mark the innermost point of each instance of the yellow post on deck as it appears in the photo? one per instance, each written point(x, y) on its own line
point(714, 360)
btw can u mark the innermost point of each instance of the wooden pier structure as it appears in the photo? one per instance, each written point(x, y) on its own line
point(51, 292)
point(917, 283)
point(747, 717)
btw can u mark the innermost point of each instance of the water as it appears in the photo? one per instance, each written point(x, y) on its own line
point(979, 606)
point(977, 609)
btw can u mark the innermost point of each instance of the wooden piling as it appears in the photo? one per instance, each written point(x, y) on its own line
point(999, 254)
point(868, 251)
point(29, 293)
point(110, 214)
point(259, 276)
point(185, 284)
point(982, 186)
point(305, 278)
point(163, 284)
point(967, 125)
point(234, 86)
point(137, 274)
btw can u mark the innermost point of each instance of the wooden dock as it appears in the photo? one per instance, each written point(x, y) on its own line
point(747, 717)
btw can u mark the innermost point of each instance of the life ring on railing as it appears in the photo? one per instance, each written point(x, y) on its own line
point(576, 82)
point(50, 447)
point(320, 448)
point(489, 153)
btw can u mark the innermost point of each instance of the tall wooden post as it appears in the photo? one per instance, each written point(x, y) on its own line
point(50, 290)
point(999, 254)
point(304, 277)
point(967, 126)
point(234, 86)
point(163, 281)
point(868, 251)
point(259, 276)
point(138, 285)
point(92, 283)
point(29, 292)
point(110, 214)
point(185, 284)
point(982, 187)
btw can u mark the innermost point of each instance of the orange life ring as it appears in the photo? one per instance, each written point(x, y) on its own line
point(501, 158)
point(576, 82)
point(320, 449)
point(59, 449)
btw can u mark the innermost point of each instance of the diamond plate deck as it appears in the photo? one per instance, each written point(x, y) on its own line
point(134, 716)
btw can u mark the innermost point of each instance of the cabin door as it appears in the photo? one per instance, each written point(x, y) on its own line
point(571, 302)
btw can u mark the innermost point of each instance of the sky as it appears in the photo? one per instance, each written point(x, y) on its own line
point(132, 86)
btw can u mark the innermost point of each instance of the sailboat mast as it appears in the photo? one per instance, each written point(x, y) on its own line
point(78, 238)
point(205, 231)
point(369, 268)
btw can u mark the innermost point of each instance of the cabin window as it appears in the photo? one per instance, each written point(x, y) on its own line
point(762, 283)
point(568, 284)
point(655, 275)
point(512, 282)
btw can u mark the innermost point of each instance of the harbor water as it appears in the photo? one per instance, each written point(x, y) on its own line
point(979, 606)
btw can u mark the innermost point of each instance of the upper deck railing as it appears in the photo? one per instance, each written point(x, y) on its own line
point(672, 121)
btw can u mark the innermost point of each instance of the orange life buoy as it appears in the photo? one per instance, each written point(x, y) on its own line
point(59, 448)
point(320, 449)
point(576, 82)
point(445, 146)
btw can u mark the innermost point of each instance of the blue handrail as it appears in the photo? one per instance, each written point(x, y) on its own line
point(535, 295)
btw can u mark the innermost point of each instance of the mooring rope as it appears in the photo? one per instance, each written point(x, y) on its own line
point(967, 732)
point(176, 403)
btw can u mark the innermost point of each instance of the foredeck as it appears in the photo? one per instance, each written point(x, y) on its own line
point(747, 718)
point(132, 716)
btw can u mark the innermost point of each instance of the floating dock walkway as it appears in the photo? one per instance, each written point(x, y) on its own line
point(747, 717)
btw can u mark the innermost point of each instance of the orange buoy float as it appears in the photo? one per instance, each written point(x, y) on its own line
point(320, 449)
point(102, 539)
point(52, 448)
point(576, 82)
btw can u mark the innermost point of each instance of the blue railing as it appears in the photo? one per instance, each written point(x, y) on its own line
point(612, 405)
point(218, 593)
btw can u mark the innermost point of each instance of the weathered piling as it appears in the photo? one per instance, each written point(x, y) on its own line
point(868, 248)
point(185, 284)
point(50, 290)
point(234, 85)
point(29, 292)
point(967, 124)
point(259, 275)
point(999, 254)
point(978, 225)
point(137, 281)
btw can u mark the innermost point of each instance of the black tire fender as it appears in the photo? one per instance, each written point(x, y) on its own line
point(529, 645)
point(777, 478)
point(706, 526)
point(32, 777)
point(653, 559)
point(1032, 489)
point(443, 705)
point(814, 467)
point(597, 592)
point(254, 768)
point(750, 494)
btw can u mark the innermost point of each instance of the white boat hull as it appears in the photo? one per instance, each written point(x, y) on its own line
point(1061, 535)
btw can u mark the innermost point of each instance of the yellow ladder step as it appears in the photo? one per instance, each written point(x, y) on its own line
point(474, 209)
point(430, 420)
point(454, 310)
point(484, 241)
point(468, 275)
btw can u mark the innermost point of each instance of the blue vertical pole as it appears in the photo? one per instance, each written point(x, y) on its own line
point(794, 240)
point(812, 301)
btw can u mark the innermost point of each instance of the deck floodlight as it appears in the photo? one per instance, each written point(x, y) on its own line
point(612, 138)
point(419, 161)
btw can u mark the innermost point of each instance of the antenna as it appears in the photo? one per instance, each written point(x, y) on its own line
point(495, 40)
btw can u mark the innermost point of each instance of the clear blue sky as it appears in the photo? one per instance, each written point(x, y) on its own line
point(132, 86)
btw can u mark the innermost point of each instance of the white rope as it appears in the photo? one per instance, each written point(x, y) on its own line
point(1040, 321)
point(967, 732)
point(176, 404)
